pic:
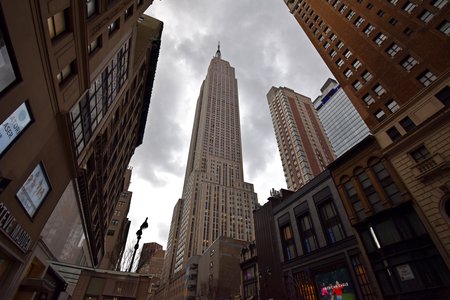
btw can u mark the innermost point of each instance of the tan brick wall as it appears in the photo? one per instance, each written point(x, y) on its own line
point(427, 194)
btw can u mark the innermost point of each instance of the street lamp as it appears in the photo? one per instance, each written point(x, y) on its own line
point(138, 234)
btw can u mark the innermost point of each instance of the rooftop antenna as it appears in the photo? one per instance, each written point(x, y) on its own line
point(218, 54)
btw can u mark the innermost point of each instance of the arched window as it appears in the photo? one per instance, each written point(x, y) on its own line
point(385, 179)
point(369, 190)
point(354, 198)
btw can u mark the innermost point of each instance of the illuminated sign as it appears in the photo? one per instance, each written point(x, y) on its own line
point(13, 126)
point(34, 190)
point(335, 283)
point(13, 230)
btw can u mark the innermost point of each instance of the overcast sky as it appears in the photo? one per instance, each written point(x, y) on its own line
point(266, 46)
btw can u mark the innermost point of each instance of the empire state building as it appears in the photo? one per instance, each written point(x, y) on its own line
point(215, 201)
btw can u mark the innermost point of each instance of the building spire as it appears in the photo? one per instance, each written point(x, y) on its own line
point(218, 54)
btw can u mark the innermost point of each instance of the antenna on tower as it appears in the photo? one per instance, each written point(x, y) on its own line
point(218, 54)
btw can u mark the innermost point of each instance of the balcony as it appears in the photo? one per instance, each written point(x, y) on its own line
point(432, 166)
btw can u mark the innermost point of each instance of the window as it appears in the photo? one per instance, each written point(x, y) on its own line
point(408, 31)
point(335, 5)
point(110, 232)
point(348, 73)
point(363, 279)
point(379, 114)
point(339, 62)
point(331, 222)
point(340, 44)
point(307, 233)
point(379, 90)
point(388, 185)
point(288, 242)
point(409, 62)
point(380, 13)
point(65, 73)
point(343, 8)
point(369, 6)
point(114, 222)
point(393, 2)
point(333, 53)
point(14, 126)
point(407, 124)
point(138, 2)
point(420, 154)
point(113, 27)
point(379, 39)
point(34, 190)
point(369, 28)
point(426, 78)
point(366, 75)
point(439, 3)
point(368, 99)
point(91, 7)
point(393, 21)
point(326, 45)
point(57, 24)
point(7, 72)
point(393, 133)
point(444, 95)
point(356, 64)
point(347, 53)
point(369, 191)
point(354, 200)
point(357, 85)
point(393, 49)
point(128, 12)
point(425, 16)
point(350, 15)
point(95, 44)
point(321, 38)
point(409, 7)
point(358, 22)
point(392, 105)
point(444, 27)
point(332, 37)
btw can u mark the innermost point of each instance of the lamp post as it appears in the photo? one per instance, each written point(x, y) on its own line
point(138, 234)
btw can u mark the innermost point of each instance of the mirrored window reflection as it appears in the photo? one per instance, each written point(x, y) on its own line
point(7, 74)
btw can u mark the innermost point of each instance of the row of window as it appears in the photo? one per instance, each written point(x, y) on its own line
point(407, 124)
point(92, 7)
point(331, 224)
point(87, 114)
point(361, 191)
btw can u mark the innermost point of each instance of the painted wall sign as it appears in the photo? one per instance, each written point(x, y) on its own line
point(13, 230)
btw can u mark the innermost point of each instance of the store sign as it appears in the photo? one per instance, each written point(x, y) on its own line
point(335, 283)
point(13, 230)
point(34, 190)
point(13, 126)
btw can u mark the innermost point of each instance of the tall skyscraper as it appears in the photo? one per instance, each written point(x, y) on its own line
point(383, 53)
point(342, 123)
point(304, 147)
point(216, 201)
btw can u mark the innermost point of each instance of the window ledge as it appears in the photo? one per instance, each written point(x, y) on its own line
point(431, 167)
